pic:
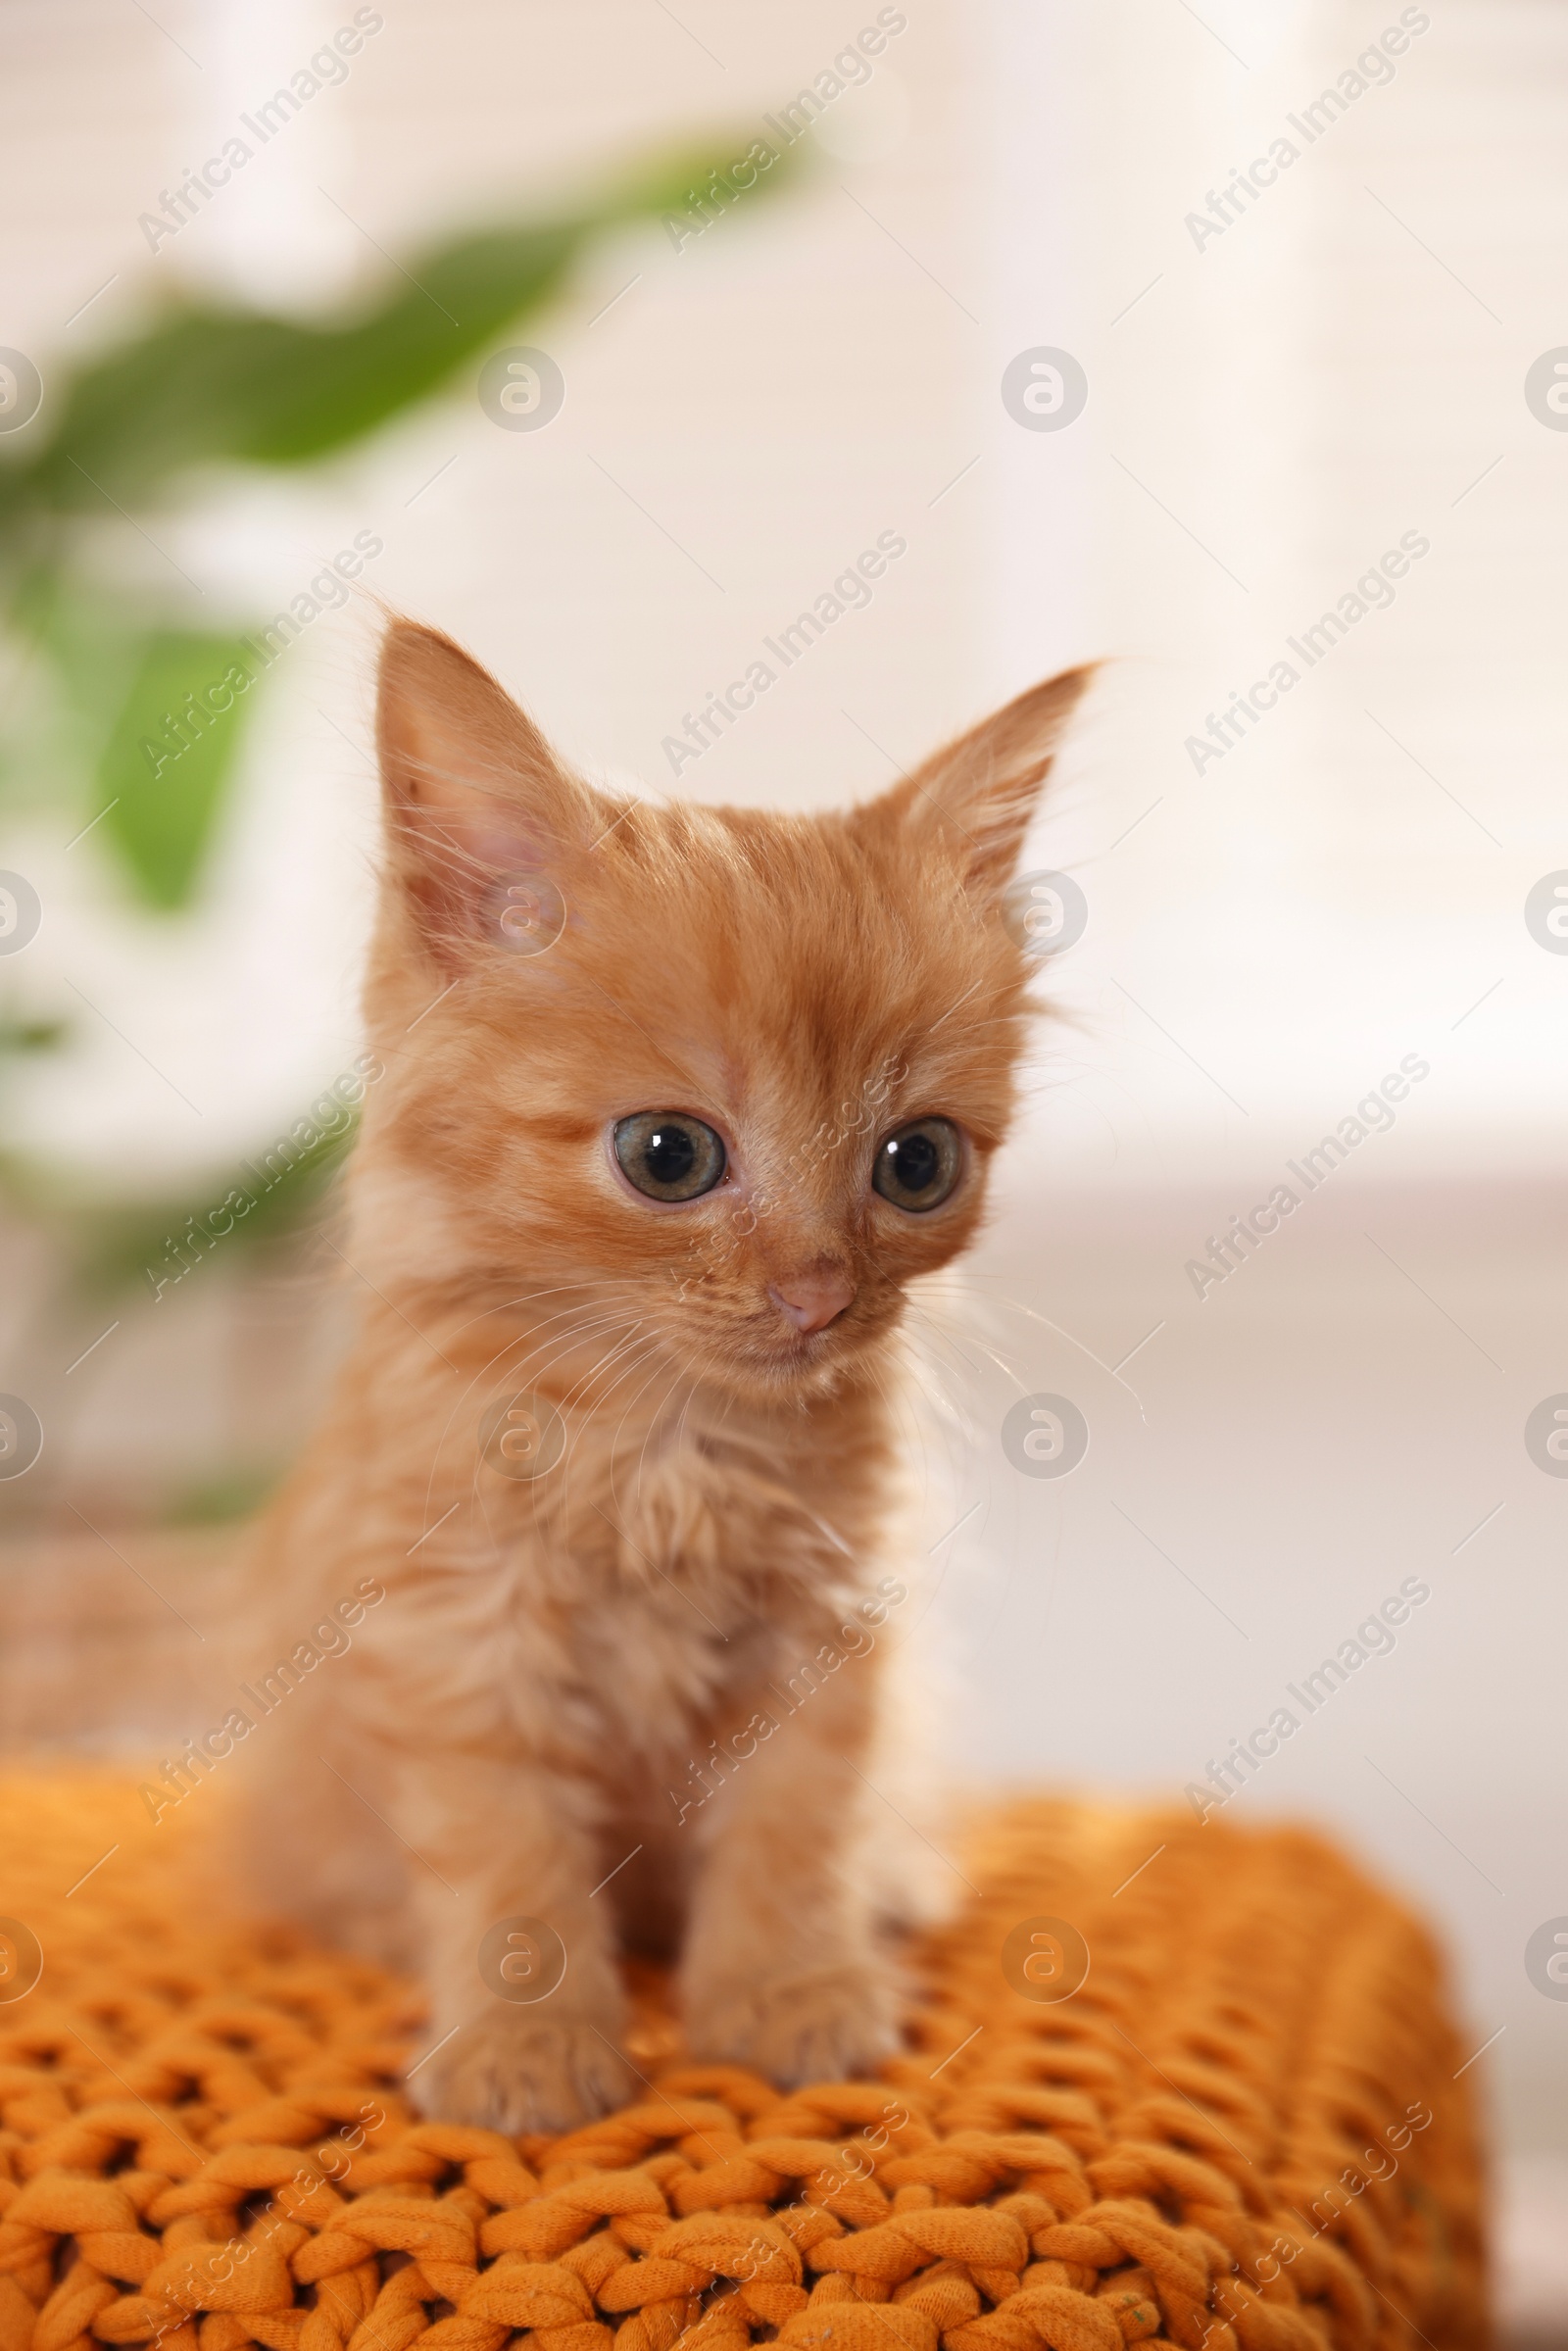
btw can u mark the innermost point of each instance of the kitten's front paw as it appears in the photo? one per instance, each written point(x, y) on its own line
point(516, 2073)
point(806, 2028)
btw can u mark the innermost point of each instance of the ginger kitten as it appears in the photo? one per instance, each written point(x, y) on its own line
point(678, 1101)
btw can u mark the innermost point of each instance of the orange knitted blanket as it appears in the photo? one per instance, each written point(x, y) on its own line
point(1240, 2132)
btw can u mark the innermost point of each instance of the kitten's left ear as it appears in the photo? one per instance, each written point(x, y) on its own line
point(979, 792)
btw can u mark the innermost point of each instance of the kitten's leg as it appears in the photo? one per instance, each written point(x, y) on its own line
point(297, 1841)
point(507, 1842)
point(905, 1839)
point(781, 1971)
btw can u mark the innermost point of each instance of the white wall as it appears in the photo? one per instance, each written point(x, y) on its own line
point(1290, 396)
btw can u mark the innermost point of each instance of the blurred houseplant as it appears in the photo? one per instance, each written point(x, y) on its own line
point(132, 720)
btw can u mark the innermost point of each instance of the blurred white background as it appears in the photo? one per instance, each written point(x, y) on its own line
point(1269, 409)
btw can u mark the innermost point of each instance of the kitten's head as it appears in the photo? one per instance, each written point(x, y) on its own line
point(745, 1071)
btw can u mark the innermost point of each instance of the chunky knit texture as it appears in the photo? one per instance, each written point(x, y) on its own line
point(204, 2145)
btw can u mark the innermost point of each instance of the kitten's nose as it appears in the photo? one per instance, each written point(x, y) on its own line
point(814, 1300)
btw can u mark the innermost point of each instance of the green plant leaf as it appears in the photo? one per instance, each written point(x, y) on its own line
point(163, 769)
point(223, 1500)
point(115, 1246)
point(211, 383)
point(223, 384)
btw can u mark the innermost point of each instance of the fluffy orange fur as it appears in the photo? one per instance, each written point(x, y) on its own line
point(586, 1664)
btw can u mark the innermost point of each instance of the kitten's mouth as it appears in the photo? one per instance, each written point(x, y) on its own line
point(757, 1348)
point(775, 1355)
point(804, 1348)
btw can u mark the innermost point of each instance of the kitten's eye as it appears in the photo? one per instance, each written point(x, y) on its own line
point(919, 1166)
point(669, 1154)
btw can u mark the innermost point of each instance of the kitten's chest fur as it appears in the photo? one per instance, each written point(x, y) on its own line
point(651, 1607)
point(615, 1615)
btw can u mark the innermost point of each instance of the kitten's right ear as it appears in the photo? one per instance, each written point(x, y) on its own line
point(483, 824)
point(977, 795)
